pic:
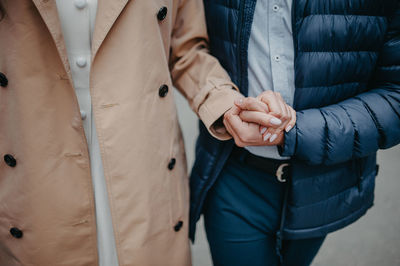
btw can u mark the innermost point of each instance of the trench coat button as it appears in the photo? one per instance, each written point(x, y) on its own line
point(171, 164)
point(178, 226)
point(10, 160)
point(15, 232)
point(162, 13)
point(80, 4)
point(81, 62)
point(163, 90)
point(3, 80)
point(83, 115)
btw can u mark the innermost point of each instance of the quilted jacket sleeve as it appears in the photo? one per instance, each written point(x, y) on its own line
point(358, 126)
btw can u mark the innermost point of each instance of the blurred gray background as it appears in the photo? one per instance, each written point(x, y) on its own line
point(374, 240)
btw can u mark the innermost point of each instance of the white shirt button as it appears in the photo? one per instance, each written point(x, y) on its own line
point(81, 61)
point(275, 8)
point(80, 4)
point(277, 58)
point(83, 115)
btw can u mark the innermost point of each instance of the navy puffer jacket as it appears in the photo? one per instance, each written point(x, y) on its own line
point(347, 98)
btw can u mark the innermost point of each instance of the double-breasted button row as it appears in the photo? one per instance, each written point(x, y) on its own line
point(15, 232)
point(10, 160)
point(162, 13)
point(3, 80)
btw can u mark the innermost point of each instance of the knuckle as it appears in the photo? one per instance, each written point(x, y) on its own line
point(263, 121)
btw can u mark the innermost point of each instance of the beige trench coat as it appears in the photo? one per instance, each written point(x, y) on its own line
point(46, 198)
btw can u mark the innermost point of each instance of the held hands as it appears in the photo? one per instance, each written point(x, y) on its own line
point(260, 121)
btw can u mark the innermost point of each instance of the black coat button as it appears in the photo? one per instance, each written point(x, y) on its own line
point(10, 160)
point(171, 164)
point(15, 232)
point(163, 90)
point(162, 13)
point(178, 226)
point(3, 80)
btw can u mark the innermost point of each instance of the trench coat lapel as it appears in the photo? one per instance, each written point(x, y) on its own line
point(107, 13)
point(49, 14)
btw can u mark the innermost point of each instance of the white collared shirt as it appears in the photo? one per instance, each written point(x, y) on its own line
point(271, 57)
point(77, 19)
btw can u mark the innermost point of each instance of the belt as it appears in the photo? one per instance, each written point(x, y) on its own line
point(278, 168)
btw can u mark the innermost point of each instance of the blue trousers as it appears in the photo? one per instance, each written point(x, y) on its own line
point(242, 215)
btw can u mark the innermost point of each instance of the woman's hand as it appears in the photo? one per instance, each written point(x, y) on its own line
point(260, 121)
point(277, 108)
point(245, 133)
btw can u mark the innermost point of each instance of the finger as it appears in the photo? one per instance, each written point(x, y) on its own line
point(235, 110)
point(228, 117)
point(285, 118)
point(292, 122)
point(247, 133)
point(277, 140)
point(285, 112)
point(252, 104)
point(239, 127)
point(268, 134)
point(262, 130)
point(226, 124)
point(273, 134)
point(269, 98)
point(235, 125)
point(288, 116)
point(233, 133)
point(263, 119)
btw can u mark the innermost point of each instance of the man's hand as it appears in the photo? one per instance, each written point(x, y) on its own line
point(260, 121)
point(248, 134)
point(277, 107)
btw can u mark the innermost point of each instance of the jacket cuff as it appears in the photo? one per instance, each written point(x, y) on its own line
point(218, 101)
point(289, 147)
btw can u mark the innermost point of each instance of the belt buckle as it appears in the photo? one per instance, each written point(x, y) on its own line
point(279, 172)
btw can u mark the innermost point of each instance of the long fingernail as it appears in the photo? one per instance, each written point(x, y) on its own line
point(288, 128)
point(263, 130)
point(239, 101)
point(275, 121)
point(273, 138)
point(267, 136)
